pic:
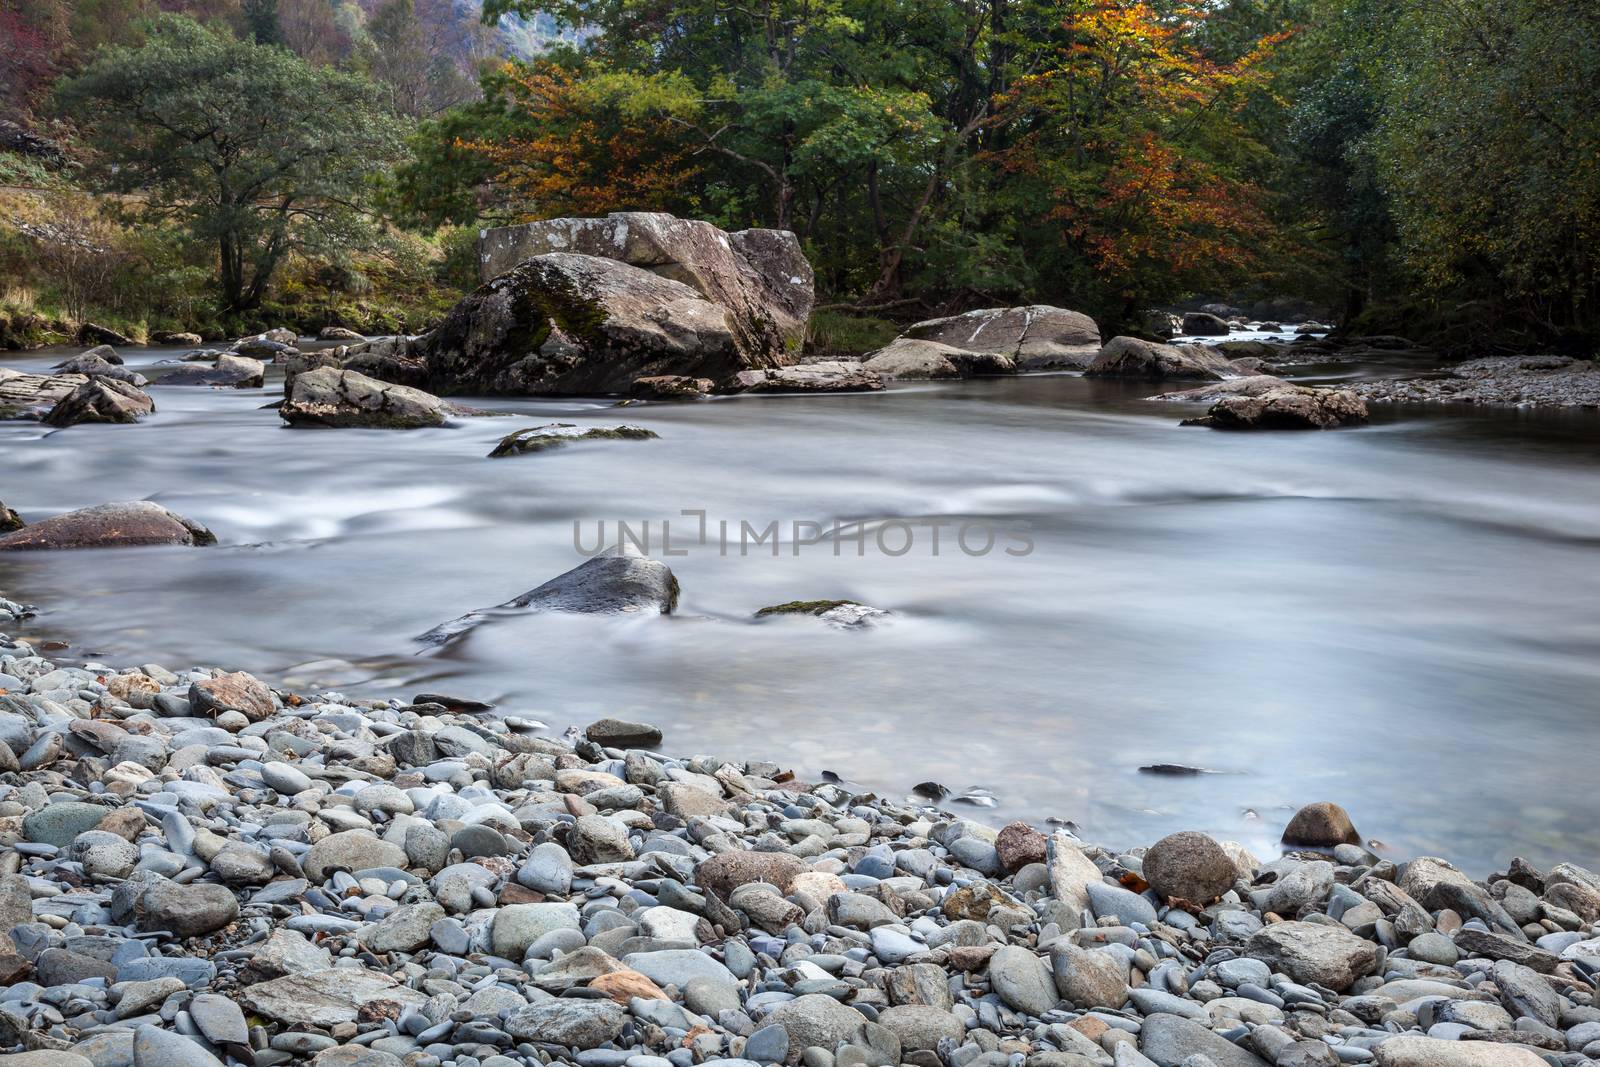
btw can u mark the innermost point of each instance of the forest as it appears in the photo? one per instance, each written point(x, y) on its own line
point(1429, 169)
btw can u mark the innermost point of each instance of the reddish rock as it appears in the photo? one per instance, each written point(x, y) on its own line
point(1018, 845)
point(140, 522)
point(238, 691)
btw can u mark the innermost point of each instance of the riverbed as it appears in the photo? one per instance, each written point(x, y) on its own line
point(1404, 618)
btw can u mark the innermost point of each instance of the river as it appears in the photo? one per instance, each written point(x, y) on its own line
point(1404, 618)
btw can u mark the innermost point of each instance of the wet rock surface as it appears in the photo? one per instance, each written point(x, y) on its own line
point(991, 341)
point(331, 397)
point(202, 869)
point(560, 434)
point(140, 522)
point(1518, 381)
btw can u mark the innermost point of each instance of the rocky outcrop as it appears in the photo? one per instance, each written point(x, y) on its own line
point(229, 372)
point(1129, 357)
point(139, 522)
point(561, 434)
point(761, 276)
point(564, 324)
point(101, 399)
point(619, 583)
point(1034, 337)
point(329, 396)
point(826, 376)
point(31, 396)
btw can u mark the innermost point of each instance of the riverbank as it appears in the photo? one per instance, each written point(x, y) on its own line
point(201, 866)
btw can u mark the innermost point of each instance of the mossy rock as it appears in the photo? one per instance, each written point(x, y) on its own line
point(561, 434)
point(804, 607)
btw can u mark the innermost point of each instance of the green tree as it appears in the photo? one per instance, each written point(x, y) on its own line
point(255, 152)
point(1489, 144)
point(261, 21)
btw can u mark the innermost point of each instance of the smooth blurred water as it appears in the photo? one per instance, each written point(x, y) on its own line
point(1404, 618)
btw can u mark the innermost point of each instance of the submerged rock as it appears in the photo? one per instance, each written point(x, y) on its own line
point(615, 584)
point(558, 434)
point(101, 399)
point(140, 522)
point(328, 396)
point(837, 612)
point(1129, 357)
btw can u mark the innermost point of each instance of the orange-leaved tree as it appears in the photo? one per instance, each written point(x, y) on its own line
point(578, 149)
point(1127, 131)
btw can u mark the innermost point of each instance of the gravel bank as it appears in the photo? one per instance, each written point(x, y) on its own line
point(201, 870)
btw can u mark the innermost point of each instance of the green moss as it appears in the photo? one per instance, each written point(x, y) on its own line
point(803, 607)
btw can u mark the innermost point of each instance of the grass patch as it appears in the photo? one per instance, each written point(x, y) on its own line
point(836, 333)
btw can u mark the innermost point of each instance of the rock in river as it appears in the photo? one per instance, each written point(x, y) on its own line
point(760, 276)
point(140, 522)
point(615, 584)
point(559, 434)
point(1001, 340)
point(1266, 403)
point(101, 399)
point(230, 372)
point(328, 396)
point(1129, 357)
point(823, 376)
point(589, 305)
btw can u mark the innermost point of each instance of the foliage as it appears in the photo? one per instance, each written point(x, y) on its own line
point(214, 132)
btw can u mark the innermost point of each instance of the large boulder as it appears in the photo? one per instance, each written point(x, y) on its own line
point(619, 583)
point(1129, 357)
point(1189, 866)
point(101, 400)
point(329, 396)
point(139, 522)
point(569, 324)
point(761, 276)
point(1033, 337)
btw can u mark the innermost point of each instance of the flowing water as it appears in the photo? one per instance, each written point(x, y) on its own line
point(1404, 618)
